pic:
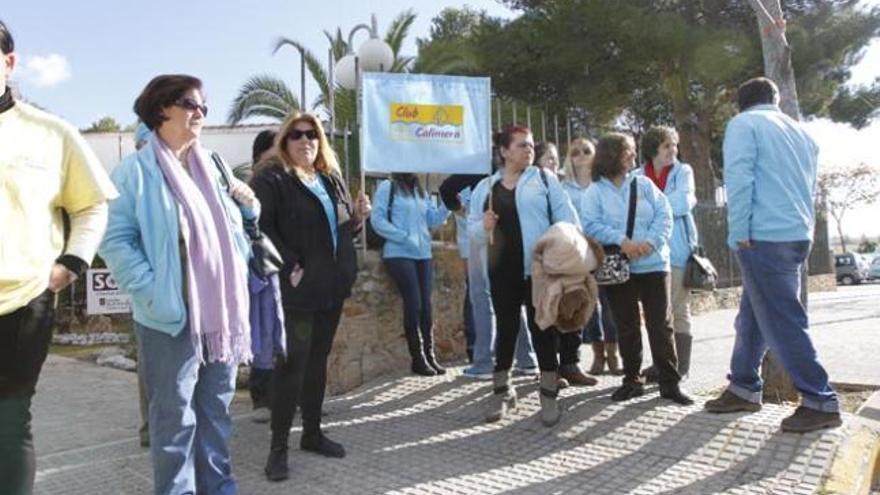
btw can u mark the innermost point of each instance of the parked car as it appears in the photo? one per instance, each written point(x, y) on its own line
point(850, 268)
point(874, 271)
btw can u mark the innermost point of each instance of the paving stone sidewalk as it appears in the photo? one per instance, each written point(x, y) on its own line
point(420, 435)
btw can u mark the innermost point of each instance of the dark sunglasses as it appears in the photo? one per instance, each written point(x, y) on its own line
point(296, 134)
point(191, 105)
point(581, 151)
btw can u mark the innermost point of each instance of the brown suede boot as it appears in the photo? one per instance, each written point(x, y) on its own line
point(573, 374)
point(612, 359)
point(598, 366)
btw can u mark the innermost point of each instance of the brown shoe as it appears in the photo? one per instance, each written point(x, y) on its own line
point(805, 419)
point(598, 366)
point(729, 402)
point(612, 359)
point(575, 376)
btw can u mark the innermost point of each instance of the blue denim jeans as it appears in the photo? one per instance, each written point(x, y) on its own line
point(484, 320)
point(190, 425)
point(772, 317)
point(601, 327)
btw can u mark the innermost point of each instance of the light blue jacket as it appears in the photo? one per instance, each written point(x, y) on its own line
point(408, 234)
point(461, 233)
point(770, 177)
point(142, 243)
point(604, 211)
point(531, 198)
point(681, 193)
point(575, 192)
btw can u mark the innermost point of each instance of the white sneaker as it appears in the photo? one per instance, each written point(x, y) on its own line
point(476, 375)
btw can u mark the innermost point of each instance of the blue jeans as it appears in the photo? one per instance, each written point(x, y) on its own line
point(772, 317)
point(484, 320)
point(190, 425)
point(601, 327)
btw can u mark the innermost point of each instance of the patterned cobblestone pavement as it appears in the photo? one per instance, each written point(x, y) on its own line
point(414, 435)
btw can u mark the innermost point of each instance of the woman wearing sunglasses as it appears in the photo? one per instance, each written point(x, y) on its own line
point(570, 373)
point(175, 242)
point(310, 217)
point(601, 331)
point(407, 255)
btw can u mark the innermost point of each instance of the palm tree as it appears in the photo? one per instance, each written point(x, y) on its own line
point(270, 97)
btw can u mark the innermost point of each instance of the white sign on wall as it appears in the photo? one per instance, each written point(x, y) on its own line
point(103, 295)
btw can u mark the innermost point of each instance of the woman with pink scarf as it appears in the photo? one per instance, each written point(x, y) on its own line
point(175, 242)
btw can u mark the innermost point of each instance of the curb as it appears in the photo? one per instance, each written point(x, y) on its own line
point(857, 459)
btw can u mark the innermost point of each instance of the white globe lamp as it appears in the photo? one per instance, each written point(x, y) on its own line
point(375, 55)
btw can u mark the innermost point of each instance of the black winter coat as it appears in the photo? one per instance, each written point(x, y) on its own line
point(293, 217)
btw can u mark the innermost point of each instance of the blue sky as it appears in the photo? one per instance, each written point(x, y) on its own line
point(85, 60)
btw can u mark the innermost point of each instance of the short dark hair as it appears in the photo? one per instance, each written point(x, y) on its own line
point(654, 137)
point(608, 161)
point(756, 91)
point(504, 137)
point(7, 44)
point(161, 92)
point(542, 148)
point(262, 143)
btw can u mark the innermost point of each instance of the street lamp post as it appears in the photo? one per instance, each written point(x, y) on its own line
point(374, 55)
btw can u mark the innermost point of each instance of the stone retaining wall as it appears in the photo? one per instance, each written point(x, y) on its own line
point(370, 338)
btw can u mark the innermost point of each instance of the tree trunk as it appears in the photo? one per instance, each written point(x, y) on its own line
point(777, 54)
point(695, 144)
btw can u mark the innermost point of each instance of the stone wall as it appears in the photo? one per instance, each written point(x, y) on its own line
point(370, 339)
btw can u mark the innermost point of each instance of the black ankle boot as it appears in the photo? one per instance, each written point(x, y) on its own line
point(320, 444)
point(432, 362)
point(276, 466)
point(420, 364)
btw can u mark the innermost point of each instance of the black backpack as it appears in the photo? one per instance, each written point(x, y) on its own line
point(374, 240)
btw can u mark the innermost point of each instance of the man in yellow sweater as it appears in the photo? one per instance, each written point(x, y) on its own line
point(45, 168)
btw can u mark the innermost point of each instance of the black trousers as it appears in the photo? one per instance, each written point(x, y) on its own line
point(24, 343)
point(301, 378)
point(509, 294)
point(569, 345)
point(652, 290)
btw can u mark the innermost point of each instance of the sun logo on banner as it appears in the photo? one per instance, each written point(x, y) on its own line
point(427, 123)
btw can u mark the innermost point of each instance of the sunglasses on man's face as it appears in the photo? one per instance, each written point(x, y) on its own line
point(576, 152)
point(297, 134)
point(192, 105)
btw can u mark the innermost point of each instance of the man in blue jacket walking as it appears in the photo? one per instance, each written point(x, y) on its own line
point(770, 176)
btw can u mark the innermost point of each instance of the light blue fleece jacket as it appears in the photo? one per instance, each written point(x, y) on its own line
point(142, 243)
point(461, 231)
point(681, 193)
point(604, 212)
point(770, 165)
point(531, 198)
point(408, 233)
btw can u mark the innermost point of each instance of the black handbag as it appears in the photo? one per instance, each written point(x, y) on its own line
point(615, 266)
point(266, 260)
point(699, 272)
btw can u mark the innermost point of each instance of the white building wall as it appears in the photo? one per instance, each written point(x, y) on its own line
point(233, 143)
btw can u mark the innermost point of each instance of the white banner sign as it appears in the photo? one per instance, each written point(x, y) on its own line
point(103, 295)
point(425, 124)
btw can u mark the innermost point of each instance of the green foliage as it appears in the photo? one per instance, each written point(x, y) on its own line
point(867, 246)
point(856, 106)
point(104, 124)
point(263, 96)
